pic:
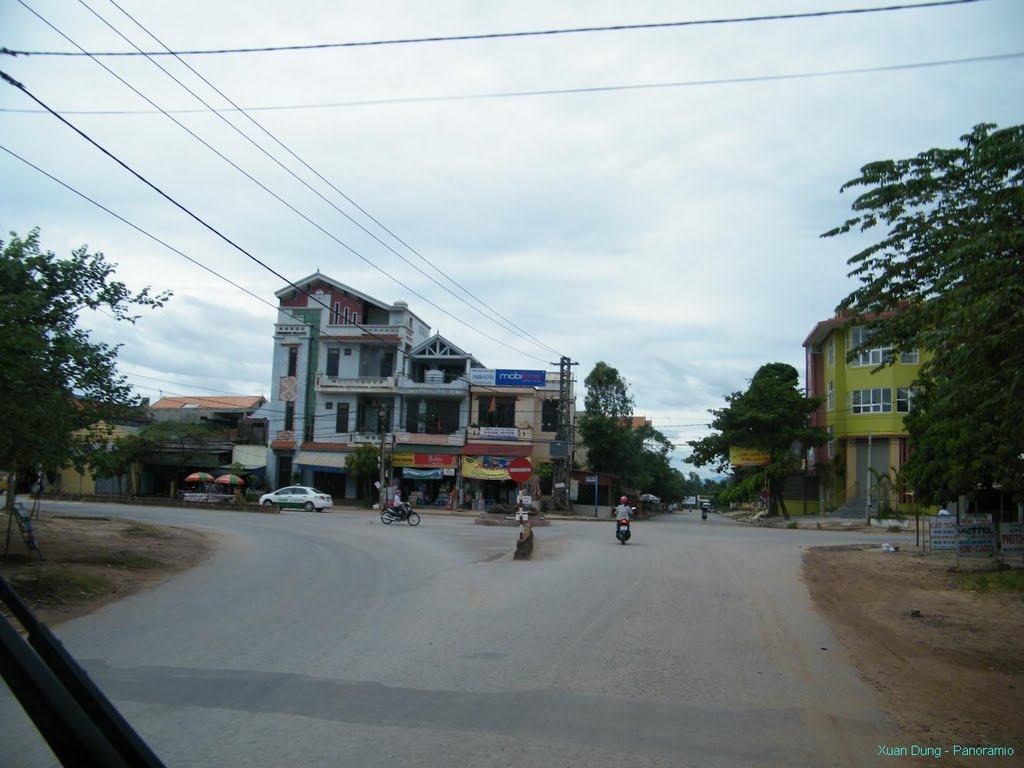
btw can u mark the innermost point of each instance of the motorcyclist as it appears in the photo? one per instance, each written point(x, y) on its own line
point(622, 511)
point(400, 509)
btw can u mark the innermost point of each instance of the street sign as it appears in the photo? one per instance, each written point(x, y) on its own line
point(520, 469)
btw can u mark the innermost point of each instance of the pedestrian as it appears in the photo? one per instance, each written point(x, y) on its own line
point(943, 510)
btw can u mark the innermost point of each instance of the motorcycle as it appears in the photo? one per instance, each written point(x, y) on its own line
point(703, 513)
point(622, 530)
point(398, 513)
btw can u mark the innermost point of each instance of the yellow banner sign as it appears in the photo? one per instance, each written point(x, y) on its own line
point(486, 467)
point(749, 457)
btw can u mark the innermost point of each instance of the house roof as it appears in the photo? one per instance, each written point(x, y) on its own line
point(437, 347)
point(217, 403)
point(320, 277)
point(843, 318)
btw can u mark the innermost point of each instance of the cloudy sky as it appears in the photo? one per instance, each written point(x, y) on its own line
point(652, 198)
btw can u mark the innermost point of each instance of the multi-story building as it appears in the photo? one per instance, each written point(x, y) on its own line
point(349, 369)
point(863, 410)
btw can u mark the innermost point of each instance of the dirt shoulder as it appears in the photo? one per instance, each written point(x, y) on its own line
point(90, 561)
point(940, 646)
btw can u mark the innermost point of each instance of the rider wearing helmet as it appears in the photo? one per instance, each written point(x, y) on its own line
point(622, 511)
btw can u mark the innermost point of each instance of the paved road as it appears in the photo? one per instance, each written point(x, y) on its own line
point(333, 640)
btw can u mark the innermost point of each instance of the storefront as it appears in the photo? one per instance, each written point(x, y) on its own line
point(426, 479)
point(485, 477)
point(323, 470)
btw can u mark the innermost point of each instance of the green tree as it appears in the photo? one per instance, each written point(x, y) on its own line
point(56, 382)
point(773, 416)
point(605, 427)
point(948, 278)
point(364, 464)
point(638, 455)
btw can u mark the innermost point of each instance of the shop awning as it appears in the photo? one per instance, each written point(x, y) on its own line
point(325, 461)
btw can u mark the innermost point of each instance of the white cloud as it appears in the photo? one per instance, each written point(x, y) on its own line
point(673, 233)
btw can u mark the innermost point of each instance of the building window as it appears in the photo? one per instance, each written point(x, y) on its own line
point(341, 418)
point(293, 360)
point(335, 311)
point(873, 356)
point(831, 395)
point(871, 401)
point(344, 316)
point(494, 411)
point(289, 415)
point(831, 351)
point(909, 358)
point(549, 416)
point(831, 442)
point(904, 399)
point(348, 351)
point(332, 361)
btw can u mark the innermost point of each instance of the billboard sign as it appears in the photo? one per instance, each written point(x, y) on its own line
point(748, 457)
point(943, 533)
point(507, 377)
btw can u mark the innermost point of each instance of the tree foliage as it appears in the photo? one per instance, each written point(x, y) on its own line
point(771, 415)
point(604, 427)
point(638, 455)
point(948, 277)
point(56, 382)
point(364, 464)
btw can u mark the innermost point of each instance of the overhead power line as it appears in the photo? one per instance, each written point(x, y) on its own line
point(295, 320)
point(248, 176)
point(707, 82)
point(507, 35)
point(510, 325)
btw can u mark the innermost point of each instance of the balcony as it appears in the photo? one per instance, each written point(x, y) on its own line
point(359, 331)
point(338, 384)
point(433, 386)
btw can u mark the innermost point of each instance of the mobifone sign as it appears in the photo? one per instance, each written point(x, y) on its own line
point(508, 377)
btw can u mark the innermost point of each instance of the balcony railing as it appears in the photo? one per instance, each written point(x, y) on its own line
point(325, 383)
point(354, 331)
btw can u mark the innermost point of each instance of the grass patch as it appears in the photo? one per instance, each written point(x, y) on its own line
point(59, 585)
point(993, 581)
point(130, 561)
point(145, 530)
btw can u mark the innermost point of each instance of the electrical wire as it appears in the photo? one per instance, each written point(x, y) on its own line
point(142, 231)
point(507, 35)
point(558, 91)
point(515, 329)
point(246, 175)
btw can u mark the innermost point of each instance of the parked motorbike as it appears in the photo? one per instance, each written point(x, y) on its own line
point(622, 530)
point(398, 513)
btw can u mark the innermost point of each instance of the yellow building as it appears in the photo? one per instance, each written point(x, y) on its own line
point(863, 410)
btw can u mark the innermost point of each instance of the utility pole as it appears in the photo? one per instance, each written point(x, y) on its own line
point(867, 476)
point(562, 467)
point(380, 428)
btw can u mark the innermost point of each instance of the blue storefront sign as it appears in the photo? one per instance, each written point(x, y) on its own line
point(519, 378)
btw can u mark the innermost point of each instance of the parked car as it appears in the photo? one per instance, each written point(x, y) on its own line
point(297, 497)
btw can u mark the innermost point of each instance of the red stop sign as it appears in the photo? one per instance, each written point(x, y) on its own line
point(520, 469)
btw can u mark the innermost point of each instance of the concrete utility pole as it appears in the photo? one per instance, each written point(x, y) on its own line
point(562, 467)
point(867, 475)
point(380, 428)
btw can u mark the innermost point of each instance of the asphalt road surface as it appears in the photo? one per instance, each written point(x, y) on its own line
point(333, 640)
